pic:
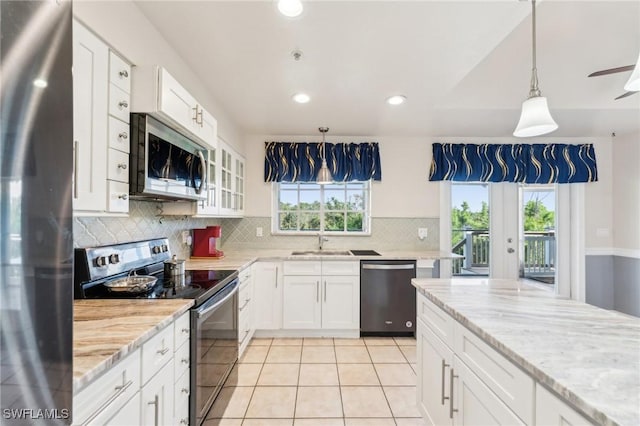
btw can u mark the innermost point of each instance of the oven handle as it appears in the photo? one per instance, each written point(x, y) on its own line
point(212, 306)
point(203, 162)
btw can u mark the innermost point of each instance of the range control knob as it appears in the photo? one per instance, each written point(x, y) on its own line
point(100, 261)
point(165, 248)
point(156, 249)
point(114, 258)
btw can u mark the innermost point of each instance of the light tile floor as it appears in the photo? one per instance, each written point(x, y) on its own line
point(321, 382)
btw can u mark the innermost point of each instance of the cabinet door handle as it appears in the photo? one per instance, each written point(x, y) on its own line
point(325, 290)
point(162, 351)
point(185, 330)
point(451, 409)
point(185, 360)
point(123, 135)
point(443, 398)
point(124, 74)
point(123, 104)
point(122, 166)
point(276, 277)
point(317, 291)
point(156, 404)
point(185, 390)
point(123, 196)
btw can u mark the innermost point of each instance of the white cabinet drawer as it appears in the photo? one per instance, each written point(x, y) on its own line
point(118, 135)
point(102, 398)
point(156, 352)
point(337, 267)
point(244, 275)
point(513, 386)
point(244, 323)
point(181, 360)
point(118, 166)
point(441, 323)
point(118, 197)
point(302, 268)
point(181, 329)
point(119, 103)
point(119, 72)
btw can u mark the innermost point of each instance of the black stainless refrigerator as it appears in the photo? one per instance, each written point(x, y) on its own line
point(36, 239)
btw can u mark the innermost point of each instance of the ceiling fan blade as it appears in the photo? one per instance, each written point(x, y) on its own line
point(612, 71)
point(625, 95)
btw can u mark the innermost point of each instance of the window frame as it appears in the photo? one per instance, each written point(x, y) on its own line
point(366, 220)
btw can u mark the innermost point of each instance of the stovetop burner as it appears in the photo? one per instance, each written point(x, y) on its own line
point(95, 266)
point(198, 284)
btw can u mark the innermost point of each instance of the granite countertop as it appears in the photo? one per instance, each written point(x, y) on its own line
point(240, 259)
point(589, 356)
point(105, 331)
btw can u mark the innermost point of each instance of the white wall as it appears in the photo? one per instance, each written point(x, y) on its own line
point(626, 192)
point(123, 26)
point(406, 192)
point(403, 192)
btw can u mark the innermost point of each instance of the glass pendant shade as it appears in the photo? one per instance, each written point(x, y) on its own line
point(633, 84)
point(535, 119)
point(324, 175)
point(290, 8)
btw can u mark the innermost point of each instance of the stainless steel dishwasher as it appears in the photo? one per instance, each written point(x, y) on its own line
point(387, 298)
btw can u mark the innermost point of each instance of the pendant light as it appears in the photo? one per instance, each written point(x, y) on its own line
point(324, 175)
point(535, 118)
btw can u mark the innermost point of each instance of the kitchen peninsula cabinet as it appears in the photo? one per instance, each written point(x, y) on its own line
point(101, 97)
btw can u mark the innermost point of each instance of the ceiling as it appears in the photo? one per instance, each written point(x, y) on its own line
point(463, 66)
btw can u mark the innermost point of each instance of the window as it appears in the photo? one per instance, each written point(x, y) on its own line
point(338, 208)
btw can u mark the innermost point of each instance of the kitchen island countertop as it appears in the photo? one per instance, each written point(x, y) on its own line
point(105, 331)
point(587, 355)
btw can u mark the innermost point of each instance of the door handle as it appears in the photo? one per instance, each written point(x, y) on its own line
point(451, 409)
point(317, 291)
point(325, 290)
point(510, 250)
point(443, 398)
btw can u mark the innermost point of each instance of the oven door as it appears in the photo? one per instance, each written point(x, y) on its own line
point(214, 348)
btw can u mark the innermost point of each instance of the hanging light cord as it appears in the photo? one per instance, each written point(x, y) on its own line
point(534, 91)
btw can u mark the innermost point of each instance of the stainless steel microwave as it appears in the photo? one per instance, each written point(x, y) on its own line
point(164, 163)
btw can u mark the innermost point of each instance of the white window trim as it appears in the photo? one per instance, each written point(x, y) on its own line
point(275, 195)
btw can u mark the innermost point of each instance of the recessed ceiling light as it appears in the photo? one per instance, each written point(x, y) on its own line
point(396, 99)
point(301, 98)
point(290, 8)
point(40, 82)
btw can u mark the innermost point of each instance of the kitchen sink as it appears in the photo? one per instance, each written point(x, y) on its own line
point(321, 253)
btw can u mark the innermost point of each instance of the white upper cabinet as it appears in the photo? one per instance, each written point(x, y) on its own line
point(231, 181)
point(101, 105)
point(90, 105)
point(177, 105)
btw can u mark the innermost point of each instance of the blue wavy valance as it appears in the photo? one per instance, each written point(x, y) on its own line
point(523, 163)
point(301, 161)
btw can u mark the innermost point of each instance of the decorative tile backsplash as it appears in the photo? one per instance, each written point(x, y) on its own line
point(145, 222)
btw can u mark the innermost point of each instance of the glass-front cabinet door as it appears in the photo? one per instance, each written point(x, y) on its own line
point(239, 185)
point(226, 180)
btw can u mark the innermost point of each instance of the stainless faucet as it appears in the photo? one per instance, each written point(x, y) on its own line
point(321, 240)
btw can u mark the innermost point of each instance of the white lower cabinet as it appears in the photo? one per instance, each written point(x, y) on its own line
point(462, 380)
point(267, 288)
point(150, 386)
point(551, 411)
point(321, 295)
point(435, 360)
point(104, 398)
point(246, 308)
point(157, 398)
